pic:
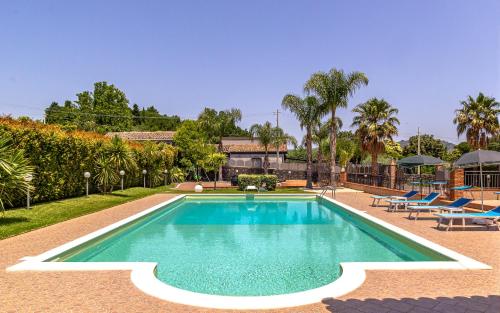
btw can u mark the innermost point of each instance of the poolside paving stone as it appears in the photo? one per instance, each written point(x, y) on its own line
point(383, 291)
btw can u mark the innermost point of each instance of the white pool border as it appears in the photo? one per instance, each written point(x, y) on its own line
point(143, 273)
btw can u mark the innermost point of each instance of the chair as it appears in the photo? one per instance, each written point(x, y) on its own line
point(464, 188)
point(427, 200)
point(455, 206)
point(251, 188)
point(406, 196)
point(493, 215)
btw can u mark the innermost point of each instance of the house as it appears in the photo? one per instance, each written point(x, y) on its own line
point(250, 153)
point(155, 136)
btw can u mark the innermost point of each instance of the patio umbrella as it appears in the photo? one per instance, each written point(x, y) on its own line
point(419, 160)
point(479, 157)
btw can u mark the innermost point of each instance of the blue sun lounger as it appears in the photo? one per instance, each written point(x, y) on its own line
point(464, 188)
point(406, 196)
point(395, 204)
point(454, 207)
point(493, 215)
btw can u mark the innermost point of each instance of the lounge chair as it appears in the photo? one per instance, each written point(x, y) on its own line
point(454, 207)
point(251, 188)
point(406, 196)
point(497, 193)
point(464, 188)
point(427, 200)
point(493, 215)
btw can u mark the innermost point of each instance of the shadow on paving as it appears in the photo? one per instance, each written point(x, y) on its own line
point(474, 304)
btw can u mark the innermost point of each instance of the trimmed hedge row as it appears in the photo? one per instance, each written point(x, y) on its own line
point(60, 158)
point(267, 181)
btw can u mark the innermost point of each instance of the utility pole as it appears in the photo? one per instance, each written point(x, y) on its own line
point(277, 113)
point(418, 147)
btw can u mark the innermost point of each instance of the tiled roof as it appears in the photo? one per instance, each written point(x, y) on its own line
point(251, 148)
point(144, 136)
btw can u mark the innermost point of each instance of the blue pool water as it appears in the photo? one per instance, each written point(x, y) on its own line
point(238, 246)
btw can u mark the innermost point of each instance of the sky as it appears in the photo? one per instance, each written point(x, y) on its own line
point(422, 56)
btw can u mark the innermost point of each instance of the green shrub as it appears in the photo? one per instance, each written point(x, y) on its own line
point(269, 181)
point(59, 159)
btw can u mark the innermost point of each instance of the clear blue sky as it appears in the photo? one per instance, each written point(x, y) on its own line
point(423, 56)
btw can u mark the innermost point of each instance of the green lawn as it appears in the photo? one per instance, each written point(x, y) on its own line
point(17, 221)
point(21, 220)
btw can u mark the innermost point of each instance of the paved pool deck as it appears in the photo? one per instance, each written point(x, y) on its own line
point(383, 291)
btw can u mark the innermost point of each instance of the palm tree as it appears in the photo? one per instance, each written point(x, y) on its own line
point(321, 135)
point(279, 139)
point(376, 123)
point(264, 133)
point(214, 162)
point(334, 89)
point(120, 155)
point(478, 119)
point(14, 169)
point(308, 112)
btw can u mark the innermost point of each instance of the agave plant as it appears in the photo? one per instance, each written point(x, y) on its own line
point(106, 174)
point(177, 175)
point(120, 155)
point(14, 169)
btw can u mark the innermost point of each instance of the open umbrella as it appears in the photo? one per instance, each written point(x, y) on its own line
point(419, 160)
point(479, 157)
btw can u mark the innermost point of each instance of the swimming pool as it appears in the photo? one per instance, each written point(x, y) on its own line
point(251, 247)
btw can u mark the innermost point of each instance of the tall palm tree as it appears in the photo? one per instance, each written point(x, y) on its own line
point(279, 139)
point(308, 112)
point(14, 168)
point(478, 119)
point(334, 89)
point(264, 133)
point(321, 134)
point(376, 122)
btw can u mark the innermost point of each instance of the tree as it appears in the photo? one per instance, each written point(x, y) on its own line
point(457, 152)
point(150, 119)
point(220, 124)
point(264, 133)
point(376, 123)
point(494, 145)
point(14, 168)
point(308, 112)
point(334, 89)
point(320, 135)
point(214, 162)
point(393, 150)
point(478, 119)
point(279, 139)
point(346, 149)
point(62, 115)
point(120, 155)
point(428, 146)
point(193, 146)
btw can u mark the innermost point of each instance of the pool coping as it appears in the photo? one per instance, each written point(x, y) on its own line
point(143, 273)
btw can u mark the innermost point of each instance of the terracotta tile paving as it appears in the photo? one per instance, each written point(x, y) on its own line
point(383, 291)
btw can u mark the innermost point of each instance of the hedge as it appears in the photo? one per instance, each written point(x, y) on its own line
point(269, 181)
point(60, 157)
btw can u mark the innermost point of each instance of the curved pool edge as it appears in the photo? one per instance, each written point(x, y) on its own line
point(143, 273)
